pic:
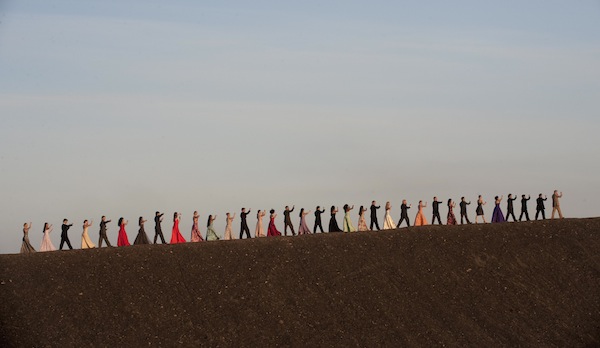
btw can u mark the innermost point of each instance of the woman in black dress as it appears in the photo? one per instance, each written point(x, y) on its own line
point(479, 211)
point(333, 225)
point(142, 237)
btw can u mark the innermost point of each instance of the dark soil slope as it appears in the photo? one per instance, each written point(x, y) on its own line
point(517, 284)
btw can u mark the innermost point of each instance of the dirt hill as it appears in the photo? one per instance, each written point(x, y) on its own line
point(512, 284)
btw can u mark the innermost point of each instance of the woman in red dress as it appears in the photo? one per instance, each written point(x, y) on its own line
point(176, 236)
point(122, 240)
point(272, 230)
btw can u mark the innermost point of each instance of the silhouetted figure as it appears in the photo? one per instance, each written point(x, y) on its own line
point(374, 221)
point(287, 220)
point(318, 222)
point(463, 210)
point(244, 223)
point(103, 235)
point(64, 236)
point(524, 208)
point(510, 211)
point(436, 211)
point(157, 228)
point(404, 214)
point(540, 207)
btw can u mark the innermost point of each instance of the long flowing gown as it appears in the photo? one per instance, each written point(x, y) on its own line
point(362, 222)
point(46, 242)
point(86, 242)
point(333, 225)
point(176, 236)
point(228, 229)
point(497, 215)
point(26, 247)
point(348, 226)
point(260, 230)
point(142, 237)
point(122, 239)
point(388, 222)
point(451, 217)
point(420, 219)
point(210, 233)
point(196, 234)
point(272, 229)
point(303, 228)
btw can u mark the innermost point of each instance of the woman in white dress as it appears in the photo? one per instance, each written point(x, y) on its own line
point(348, 226)
point(260, 230)
point(46, 242)
point(388, 223)
point(86, 242)
point(211, 234)
point(228, 228)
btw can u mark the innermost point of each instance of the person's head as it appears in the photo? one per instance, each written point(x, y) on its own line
point(272, 211)
point(318, 207)
point(555, 192)
point(373, 203)
point(227, 214)
point(85, 222)
point(120, 221)
point(65, 221)
point(404, 201)
point(24, 225)
point(140, 220)
point(362, 208)
point(420, 202)
point(522, 196)
point(510, 195)
point(449, 201)
point(287, 207)
point(496, 198)
point(435, 198)
point(103, 218)
point(258, 213)
point(540, 195)
point(209, 220)
point(45, 226)
point(462, 198)
point(332, 208)
point(301, 212)
point(157, 213)
point(195, 213)
point(345, 207)
point(479, 197)
point(174, 216)
point(243, 210)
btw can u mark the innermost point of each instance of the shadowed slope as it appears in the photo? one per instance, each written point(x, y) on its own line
point(529, 284)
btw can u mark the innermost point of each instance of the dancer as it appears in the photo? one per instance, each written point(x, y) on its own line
point(303, 228)
point(244, 224)
point(26, 246)
point(348, 226)
point(211, 234)
point(228, 226)
point(46, 242)
point(497, 215)
point(158, 218)
point(142, 237)
point(287, 221)
point(362, 222)
point(540, 208)
point(451, 218)
point(272, 230)
point(404, 214)
point(374, 221)
point(260, 230)
point(64, 236)
point(556, 204)
point(86, 242)
point(479, 210)
point(436, 211)
point(102, 232)
point(510, 211)
point(318, 223)
point(176, 236)
point(122, 240)
point(388, 223)
point(463, 210)
point(524, 210)
point(420, 218)
point(333, 225)
point(196, 234)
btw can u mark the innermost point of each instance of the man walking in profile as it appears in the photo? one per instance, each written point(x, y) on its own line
point(510, 211)
point(540, 207)
point(157, 229)
point(556, 204)
point(287, 221)
point(103, 236)
point(374, 221)
point(524, 208)
point(463, 210)
point(64, 237)
point(318, 213)
point(436, 211)
point(244, 223)
point(404, 214)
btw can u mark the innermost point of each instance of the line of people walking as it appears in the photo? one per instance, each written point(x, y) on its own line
point(347, 225)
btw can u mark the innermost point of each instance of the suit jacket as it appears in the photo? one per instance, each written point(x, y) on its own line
point(540, 203)
point(404, 210)
point(286, 215)
point(524, 203)
point(509, 202)
point(157, 222)
point(436, 207)
point(318, 216)
point(374, 211)
point(65, 229)
point(463, 207)
point(243, 218)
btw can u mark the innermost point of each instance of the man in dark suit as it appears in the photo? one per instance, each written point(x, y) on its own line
point(510, 211)
point(463, 210)
point(318, 213)
point(404, 214)
point(524, 208)
point(157, 229)
point(540, 207)
point(436, 211)
point(287, 221)
point(103, 236)
point(244, 224)
point(64, 237)
point(374, 221)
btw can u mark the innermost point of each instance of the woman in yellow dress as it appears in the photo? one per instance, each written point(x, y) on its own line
point(420, 218)
point(388, 223)
point(86, 242)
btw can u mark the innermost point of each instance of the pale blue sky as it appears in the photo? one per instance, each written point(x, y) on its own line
point(124, 108)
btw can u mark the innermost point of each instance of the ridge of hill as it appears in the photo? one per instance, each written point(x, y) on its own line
point(512, 284)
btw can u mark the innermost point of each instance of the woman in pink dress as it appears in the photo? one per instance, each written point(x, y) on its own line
point(196, 235)
point(260, 230)
point(420, 218)
point(46, 242)
point(176, 236)
point(303, 229)
point(272, 230)
point(228, 228)
point(122, 238)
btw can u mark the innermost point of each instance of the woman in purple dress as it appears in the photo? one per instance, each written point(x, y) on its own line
point(303, 229)
point(497, 215)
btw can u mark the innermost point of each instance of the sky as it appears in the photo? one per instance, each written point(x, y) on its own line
point(125, 108)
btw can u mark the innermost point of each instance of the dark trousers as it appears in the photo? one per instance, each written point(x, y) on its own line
point(318, 224)
point(285, 227)
point(374, 222)
point(402, 218)
point(243, 229)
point(464, 215)
point(63, 240)
point(526, 213)
point(103, 237)
point(158, 233)
point(436, 216)
point(538, 213)
point(509, 214)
